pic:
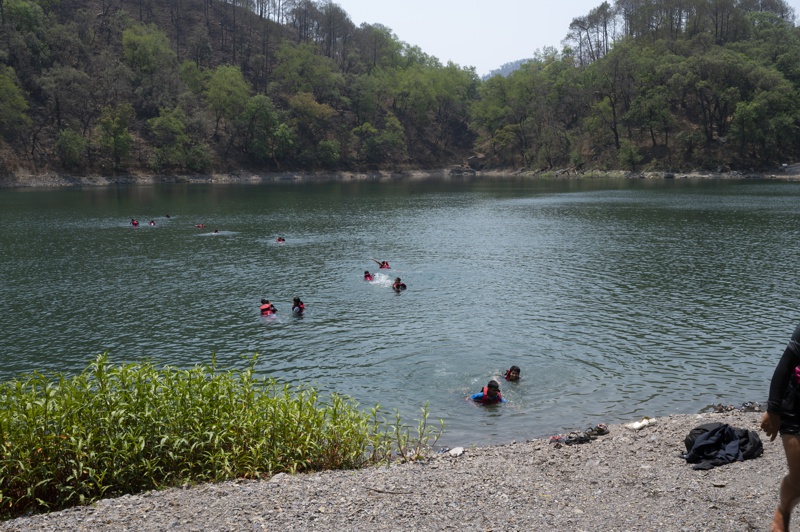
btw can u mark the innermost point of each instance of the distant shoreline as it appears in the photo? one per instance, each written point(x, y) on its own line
point(49, 179)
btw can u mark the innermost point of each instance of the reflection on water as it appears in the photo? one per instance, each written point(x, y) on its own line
point(618, 299)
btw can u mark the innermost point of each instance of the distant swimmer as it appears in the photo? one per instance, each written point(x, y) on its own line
point(383, 264)
point(216, 231)
point(398, 285)
point(167, 216)
point(200, 226)
point(298, 307)
point(267, 308)
point(152, 223)
point(134, 222)
point(367, 275)
point(280, 240)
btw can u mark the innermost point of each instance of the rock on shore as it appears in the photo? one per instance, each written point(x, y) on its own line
point(626, 480)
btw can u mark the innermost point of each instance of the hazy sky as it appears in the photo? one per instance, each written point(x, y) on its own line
point(484, 34)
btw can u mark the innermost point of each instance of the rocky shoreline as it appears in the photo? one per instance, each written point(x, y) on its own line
point(627, 480)
point(49, 179)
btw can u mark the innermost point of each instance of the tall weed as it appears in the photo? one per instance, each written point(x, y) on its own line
point(117, 429)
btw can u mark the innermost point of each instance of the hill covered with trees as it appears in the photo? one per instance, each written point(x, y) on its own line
point(201, 86)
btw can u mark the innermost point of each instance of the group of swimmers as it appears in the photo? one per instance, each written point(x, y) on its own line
point(135, 222)
point(152, 223)
point(268, 309)
point(490, 394)
point(398, 285)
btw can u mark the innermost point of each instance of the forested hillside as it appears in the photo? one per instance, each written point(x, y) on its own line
point(200, 86)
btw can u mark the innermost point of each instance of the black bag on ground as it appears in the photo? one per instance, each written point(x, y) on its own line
point(716, 444)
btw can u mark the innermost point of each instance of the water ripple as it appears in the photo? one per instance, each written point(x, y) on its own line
point(618, 300)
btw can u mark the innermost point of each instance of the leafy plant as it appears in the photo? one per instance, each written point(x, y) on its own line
point(117, 429)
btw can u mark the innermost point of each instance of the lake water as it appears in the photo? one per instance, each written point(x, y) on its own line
point(618, 299)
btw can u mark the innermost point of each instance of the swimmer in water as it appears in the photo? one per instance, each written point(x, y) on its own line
point(134, 222)
point(152, 223)
point(216, 231)
point(512, 374)
point(382, 264)
point(489, 395)
point(267, 308)
point(398, 285)
point(298, 307)
point(367, 275)
point(200, 226)
point(280, 240)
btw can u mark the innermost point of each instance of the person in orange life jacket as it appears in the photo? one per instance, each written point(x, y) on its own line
point(398, 285)
point(267, 308)
point(512, 374)
point(298, 307)
point(490, 394)
point(280, 240)
point(382, 264)
point(134, 222)
point(367, 275)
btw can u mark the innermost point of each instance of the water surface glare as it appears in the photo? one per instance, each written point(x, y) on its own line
point(618, 299)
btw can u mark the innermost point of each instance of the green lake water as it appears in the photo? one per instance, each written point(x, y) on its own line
point(618, 298)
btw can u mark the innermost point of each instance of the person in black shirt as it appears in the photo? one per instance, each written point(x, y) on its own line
point(783, 416)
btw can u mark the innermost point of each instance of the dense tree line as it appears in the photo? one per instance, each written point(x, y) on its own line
point(194, 86)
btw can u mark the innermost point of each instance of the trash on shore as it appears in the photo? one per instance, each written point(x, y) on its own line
point(457, 451)
point(638, 425)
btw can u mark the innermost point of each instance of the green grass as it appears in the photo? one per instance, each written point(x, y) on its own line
point(117, 429)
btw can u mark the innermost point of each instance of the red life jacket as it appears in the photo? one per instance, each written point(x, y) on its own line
point(485, 399)
point(367, 276)
point(267, 310)
point(298, 309)
point(385, 266)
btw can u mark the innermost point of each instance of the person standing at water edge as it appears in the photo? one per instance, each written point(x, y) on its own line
point(783, 416)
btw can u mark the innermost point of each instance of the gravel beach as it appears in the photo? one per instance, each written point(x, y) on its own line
point(626, 480)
